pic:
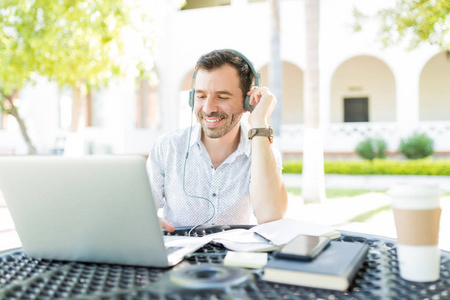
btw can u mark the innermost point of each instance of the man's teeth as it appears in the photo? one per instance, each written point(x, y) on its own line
point(212, 121)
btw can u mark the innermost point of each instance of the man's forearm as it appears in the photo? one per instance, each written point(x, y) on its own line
point(267, 191)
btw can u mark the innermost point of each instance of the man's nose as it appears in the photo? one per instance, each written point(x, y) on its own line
point(210, 105)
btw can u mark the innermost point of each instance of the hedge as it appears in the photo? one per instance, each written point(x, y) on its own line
point(426, 166)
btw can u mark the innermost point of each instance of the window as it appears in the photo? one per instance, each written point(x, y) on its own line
point(356, 109)
point(147, 105)
point(94, 108)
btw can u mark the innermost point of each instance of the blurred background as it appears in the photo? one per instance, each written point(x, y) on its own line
point(108, 77)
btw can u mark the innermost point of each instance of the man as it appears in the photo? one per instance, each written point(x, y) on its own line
point(212, 173)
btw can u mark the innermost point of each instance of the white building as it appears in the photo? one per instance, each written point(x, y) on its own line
point(365, 89)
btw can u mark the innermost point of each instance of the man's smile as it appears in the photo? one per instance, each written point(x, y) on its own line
point(212, 121)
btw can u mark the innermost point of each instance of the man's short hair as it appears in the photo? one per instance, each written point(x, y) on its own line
point(218, 58)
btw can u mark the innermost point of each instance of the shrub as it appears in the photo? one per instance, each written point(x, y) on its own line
point(418, 145)
point(371, 148)
point(293, 166)
point(377, 166)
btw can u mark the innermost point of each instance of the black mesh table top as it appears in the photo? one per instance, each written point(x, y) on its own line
point(22, 277)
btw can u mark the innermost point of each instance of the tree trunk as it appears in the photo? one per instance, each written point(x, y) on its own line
point(12, 110)
point(313, 186)
point(276, 67)
point(77, 102)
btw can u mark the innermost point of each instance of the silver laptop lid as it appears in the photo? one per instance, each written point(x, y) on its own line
point(93, 208)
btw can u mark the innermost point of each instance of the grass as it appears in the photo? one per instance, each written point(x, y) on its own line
point(365, 216)
point(341, 193)
point(335, 193)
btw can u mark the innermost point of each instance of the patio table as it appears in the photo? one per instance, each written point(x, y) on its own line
point(22, 277)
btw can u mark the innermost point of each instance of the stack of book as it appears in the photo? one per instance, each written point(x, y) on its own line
point(334, 268)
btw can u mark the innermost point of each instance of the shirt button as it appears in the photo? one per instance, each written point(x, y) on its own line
point(214, 194)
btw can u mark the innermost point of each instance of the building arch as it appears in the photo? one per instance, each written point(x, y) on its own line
point(292, 110)
point(434, 89)
point(363, 90)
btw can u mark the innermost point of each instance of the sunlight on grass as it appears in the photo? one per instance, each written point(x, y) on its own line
point(365, 216)
point(336, 193)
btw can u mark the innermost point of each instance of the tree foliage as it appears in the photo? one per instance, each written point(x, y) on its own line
point(66, 41)
point(71, 42)
point(415, 21)
point(80, 44)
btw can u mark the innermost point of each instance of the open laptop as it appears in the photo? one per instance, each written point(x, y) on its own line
point(92, 209)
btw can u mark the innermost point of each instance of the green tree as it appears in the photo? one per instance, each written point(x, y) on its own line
point(418, 21)
point(76, 43)
point(81, 44)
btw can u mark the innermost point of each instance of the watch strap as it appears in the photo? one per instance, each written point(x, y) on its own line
point(267, 132)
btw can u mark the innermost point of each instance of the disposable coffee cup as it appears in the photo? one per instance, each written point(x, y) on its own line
point(417, 213)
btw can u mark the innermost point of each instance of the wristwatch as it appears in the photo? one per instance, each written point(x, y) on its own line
point(268, 132)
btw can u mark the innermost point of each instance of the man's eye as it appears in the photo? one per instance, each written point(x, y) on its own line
point(201, 97)
point(223, 98)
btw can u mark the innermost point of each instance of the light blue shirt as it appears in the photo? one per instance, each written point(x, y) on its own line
point(227, 187)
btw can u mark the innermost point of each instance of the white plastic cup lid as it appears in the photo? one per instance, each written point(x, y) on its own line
point(415, 195)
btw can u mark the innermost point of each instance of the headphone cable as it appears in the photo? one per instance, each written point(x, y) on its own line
point(184, 180)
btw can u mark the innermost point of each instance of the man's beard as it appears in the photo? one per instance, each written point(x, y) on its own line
point(218, 132)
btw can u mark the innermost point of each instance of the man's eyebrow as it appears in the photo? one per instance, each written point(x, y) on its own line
point(224, 93)
point(217, 92)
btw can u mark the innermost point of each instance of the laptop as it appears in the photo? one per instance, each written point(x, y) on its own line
point(92, 209)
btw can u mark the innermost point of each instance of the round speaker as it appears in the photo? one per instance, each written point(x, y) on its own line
point(199, 277)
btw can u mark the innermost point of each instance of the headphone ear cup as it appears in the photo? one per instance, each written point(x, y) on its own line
point(247, 105)
point(191, 97)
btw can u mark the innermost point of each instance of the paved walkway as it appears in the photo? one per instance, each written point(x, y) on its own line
point(338, 212)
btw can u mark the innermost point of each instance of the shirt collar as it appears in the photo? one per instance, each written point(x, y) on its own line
point(244, 143)
point(196, 132)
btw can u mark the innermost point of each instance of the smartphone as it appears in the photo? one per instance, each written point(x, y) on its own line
point(303, 247)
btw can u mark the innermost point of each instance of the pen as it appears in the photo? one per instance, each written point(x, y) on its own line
point(263, 237)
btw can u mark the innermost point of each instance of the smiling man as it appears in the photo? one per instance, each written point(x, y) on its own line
point(223, 170)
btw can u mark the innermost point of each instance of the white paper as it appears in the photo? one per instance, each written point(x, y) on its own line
point(283, 231)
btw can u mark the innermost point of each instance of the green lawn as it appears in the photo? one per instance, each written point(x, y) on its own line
point(335, 193)
point(339, 193)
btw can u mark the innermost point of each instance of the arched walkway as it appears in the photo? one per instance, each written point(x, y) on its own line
point(363, 90)
point(292, 111)
point(435, 89)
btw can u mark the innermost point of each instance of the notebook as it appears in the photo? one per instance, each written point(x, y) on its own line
point(334, 268)
point(92, 209)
